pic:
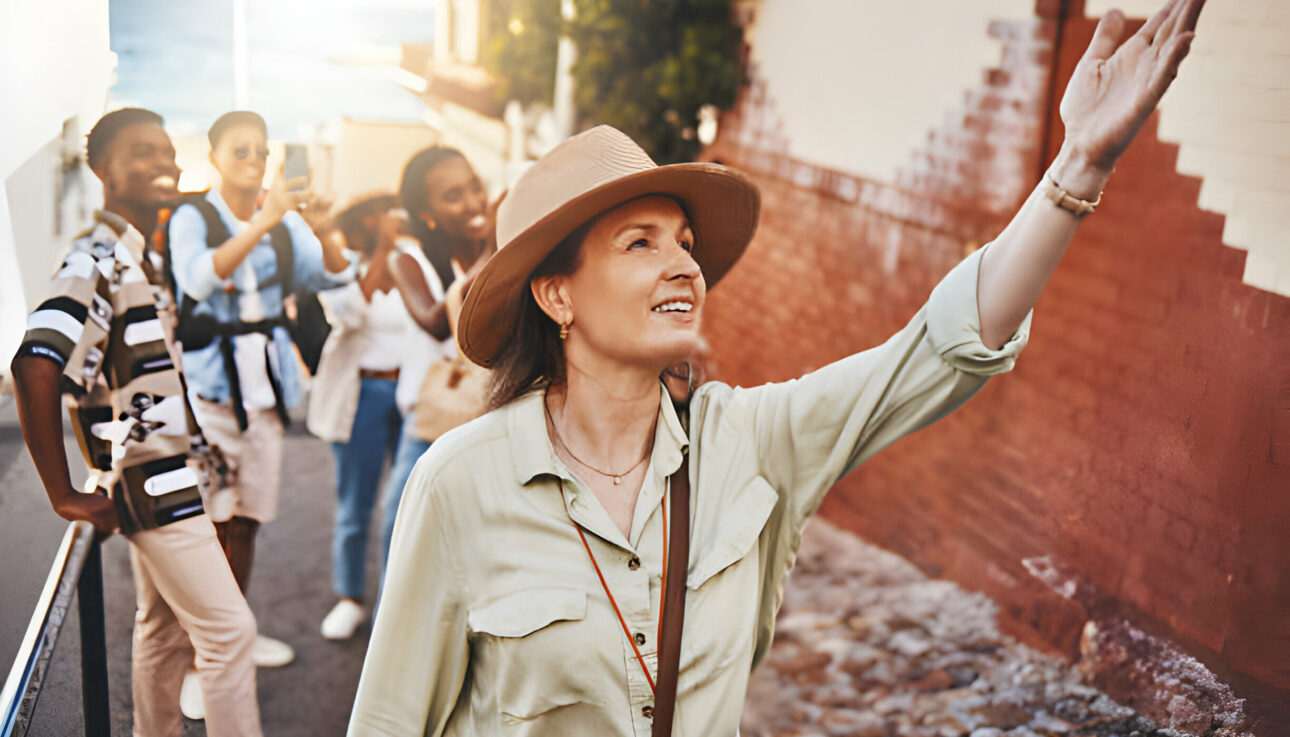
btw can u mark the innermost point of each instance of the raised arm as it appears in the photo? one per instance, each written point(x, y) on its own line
point(428, 312)
point(1114, 89)
point(278, 202)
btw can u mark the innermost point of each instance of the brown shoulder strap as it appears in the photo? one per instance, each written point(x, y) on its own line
point(678, 558)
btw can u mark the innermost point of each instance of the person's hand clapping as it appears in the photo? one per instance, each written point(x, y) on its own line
point(390, 225)
point(1116, 86)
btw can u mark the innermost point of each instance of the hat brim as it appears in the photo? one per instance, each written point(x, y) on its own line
point(723, 205)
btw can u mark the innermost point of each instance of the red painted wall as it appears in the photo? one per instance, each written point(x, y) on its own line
point(1143, 440)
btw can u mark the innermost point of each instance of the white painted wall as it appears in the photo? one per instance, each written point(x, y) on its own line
point(55, 66)
point(1229, 112)
point(913, 59)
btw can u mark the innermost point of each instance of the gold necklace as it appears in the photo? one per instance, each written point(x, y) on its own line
point(617, 477)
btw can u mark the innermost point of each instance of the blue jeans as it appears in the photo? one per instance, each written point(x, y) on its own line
point(376, 434)
point(411, 448)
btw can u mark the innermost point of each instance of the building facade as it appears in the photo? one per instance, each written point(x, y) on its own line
point(1127, 483)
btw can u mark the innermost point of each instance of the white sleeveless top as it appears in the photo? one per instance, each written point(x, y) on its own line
point(389, 327)
point(421, 352)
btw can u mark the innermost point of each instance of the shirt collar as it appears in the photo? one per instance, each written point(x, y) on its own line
point(534, 456)
point(126, 234)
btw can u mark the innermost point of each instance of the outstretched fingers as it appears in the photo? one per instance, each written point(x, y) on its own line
point(1171, 56)
point(1181, 20)
point(1107, 36)
point(1152, 27)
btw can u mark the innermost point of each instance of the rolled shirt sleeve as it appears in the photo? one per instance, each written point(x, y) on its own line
point(192, 263)
point(417, 658)
point(811, 431)
point(70, 323)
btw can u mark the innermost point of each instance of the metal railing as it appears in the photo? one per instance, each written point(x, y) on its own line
point(77, 571)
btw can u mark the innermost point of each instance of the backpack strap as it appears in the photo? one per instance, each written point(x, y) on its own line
point(216, 233)
point(285, 254)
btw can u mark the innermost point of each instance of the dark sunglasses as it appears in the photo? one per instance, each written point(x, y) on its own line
point(243, 152)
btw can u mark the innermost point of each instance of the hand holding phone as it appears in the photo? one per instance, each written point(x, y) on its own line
point(295, 166)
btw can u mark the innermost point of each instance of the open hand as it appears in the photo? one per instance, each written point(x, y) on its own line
point(1116, 85)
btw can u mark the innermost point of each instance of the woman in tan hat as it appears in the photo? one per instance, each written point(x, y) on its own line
point(537, 573)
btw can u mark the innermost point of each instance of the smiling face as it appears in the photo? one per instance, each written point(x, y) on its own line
point(636, 297)
point(139, 168)
point(456, 201)
point(240, 156)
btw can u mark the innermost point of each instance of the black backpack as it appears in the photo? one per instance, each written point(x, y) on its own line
point(309, 330)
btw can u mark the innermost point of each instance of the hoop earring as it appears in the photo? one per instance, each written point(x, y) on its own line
point(564, 331)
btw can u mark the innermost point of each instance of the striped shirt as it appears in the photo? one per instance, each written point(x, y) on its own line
point(101, 324)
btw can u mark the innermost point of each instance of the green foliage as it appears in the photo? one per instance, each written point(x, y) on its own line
point(520, 47)
point(647, 66)
point(643, 66)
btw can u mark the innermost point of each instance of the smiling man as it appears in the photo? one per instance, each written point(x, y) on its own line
point(99, 340)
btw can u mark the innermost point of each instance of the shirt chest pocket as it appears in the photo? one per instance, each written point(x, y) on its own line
point(525, 652)
point(725, 579)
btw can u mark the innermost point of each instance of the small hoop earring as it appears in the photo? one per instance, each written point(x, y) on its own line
point(564, 331)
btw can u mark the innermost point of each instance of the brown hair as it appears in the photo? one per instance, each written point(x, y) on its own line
point(533, 355)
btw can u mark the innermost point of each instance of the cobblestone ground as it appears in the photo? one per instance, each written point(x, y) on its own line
point(867, 646)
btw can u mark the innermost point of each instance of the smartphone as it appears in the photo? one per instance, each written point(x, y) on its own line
point(296, 164)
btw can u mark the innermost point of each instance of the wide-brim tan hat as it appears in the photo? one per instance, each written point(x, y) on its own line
point(578, 180)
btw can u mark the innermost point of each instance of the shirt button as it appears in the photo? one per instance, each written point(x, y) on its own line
point(640, 638)
point(634, 563)
point(647, 711)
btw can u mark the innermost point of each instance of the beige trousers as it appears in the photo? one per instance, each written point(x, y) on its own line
point(188, 601)
point(254, 459)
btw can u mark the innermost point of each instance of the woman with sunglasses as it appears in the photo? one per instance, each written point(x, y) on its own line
point(543, 552)
point(236, 252)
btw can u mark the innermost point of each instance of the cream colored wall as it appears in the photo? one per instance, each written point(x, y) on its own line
point(1229, 111)
point(858, 84)
point(481, 139)
point(55, 70)
point(370, 155)
point(457, 31)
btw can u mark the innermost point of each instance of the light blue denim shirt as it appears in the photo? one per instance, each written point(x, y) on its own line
point(194, 269)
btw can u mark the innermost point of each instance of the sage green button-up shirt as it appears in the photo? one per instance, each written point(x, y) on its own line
point(493, 621)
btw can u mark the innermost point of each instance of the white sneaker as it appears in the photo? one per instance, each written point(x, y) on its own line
point(270, 653)
point(191, 704)
point(343, 619)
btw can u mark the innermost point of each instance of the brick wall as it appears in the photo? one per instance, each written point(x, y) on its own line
point(1141, 445)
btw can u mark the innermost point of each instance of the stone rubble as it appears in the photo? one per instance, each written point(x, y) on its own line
point(867, 646)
